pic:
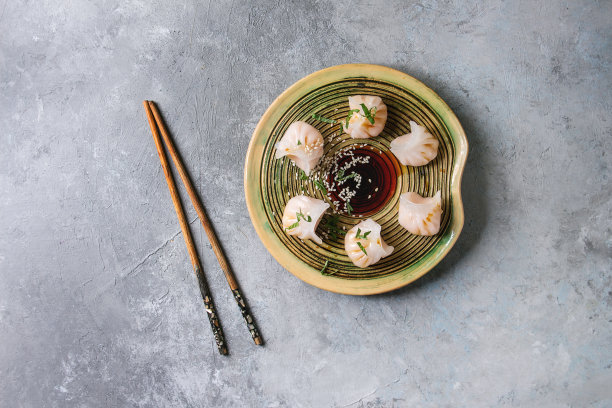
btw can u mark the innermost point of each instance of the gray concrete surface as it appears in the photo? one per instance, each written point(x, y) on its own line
point(98, 304)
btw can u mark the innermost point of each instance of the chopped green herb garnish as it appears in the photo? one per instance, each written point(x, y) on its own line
point(349, 209)
point(361, 247)
point(364, 236)
point(341, 177)
point(322, 119)
point(367, 113)
point(350, 114)
point(320, 186)
point(292, 226)
point(299, 142)
point(332, 227)
point(327, 273)
point(303, 175)
point(299, 214)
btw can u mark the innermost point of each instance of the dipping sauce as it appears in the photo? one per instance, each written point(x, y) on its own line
point(369, 181)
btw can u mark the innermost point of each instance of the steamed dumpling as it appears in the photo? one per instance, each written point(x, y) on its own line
point(303, 144)
point(417, 148)
point(420, 215)
point(372, 248)
point(302, 216)
point(359, 126)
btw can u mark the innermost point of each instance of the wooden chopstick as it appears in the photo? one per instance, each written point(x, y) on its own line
point(195, 260)
point(210, 232)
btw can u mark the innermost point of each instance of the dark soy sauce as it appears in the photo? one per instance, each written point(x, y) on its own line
point(378, 181)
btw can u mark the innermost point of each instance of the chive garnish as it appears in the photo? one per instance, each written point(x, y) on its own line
point(350, 114)
point(361, 247)
point(292, 226)
point(303, 175)
point(349, 209)
point(341, 177)
point(324, 267)
point(364, 236)
point(320, 186)
point(322, 119)
point(307, 218)
point(299, 215)
point(332, 227)
point(353, 174)
point(367, 113)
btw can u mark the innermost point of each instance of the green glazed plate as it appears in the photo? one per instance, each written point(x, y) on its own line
point(269, 183)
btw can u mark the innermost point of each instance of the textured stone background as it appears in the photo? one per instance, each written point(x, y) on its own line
point(98, 304)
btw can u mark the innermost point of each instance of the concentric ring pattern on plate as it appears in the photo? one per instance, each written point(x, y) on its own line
point(270, 182)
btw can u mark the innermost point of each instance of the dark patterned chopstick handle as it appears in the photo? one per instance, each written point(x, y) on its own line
point(244, 309)
point(211, 311)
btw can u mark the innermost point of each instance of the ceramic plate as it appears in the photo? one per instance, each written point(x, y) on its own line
point(270, 183)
